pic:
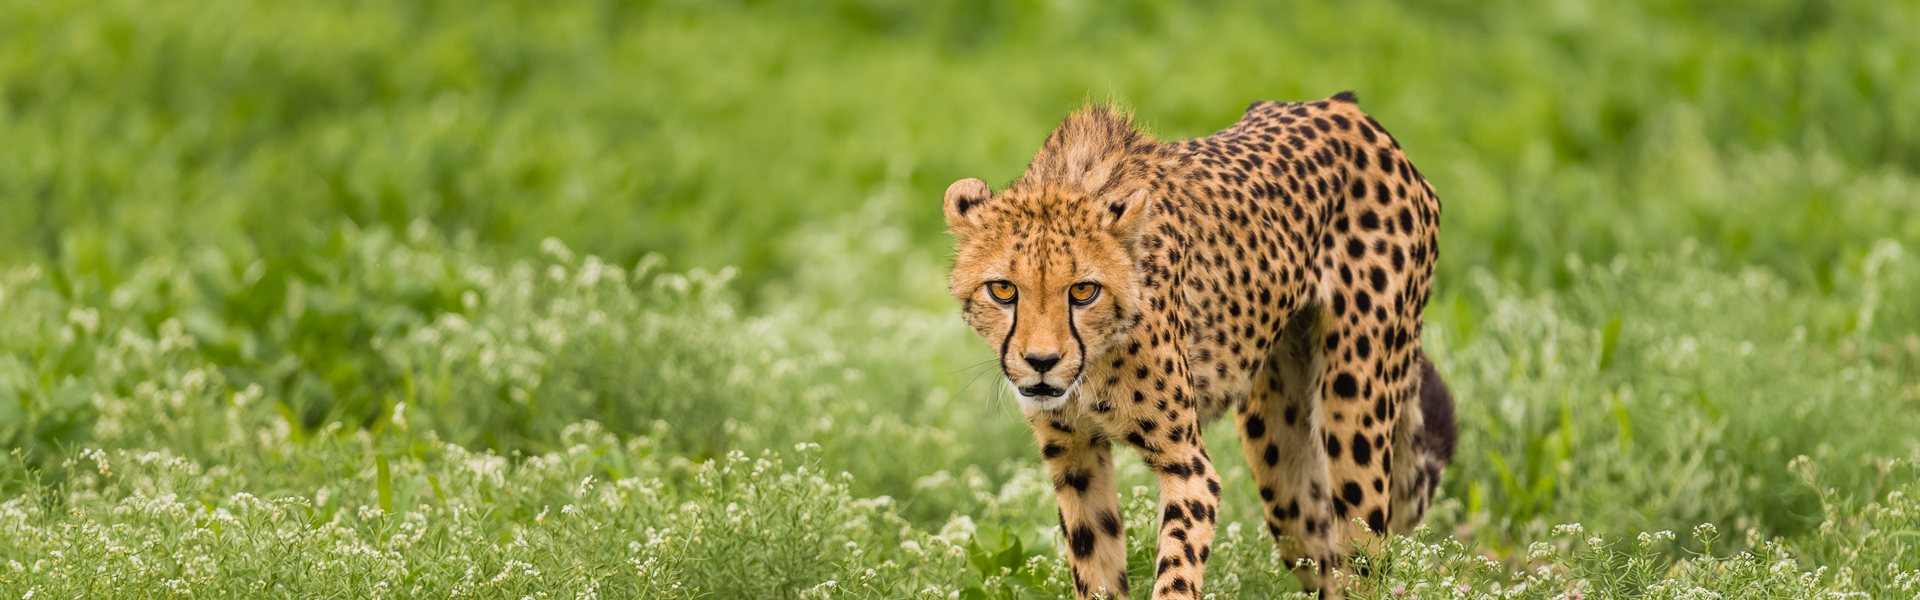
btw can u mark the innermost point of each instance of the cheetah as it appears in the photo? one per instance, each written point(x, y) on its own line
point(1134, 290)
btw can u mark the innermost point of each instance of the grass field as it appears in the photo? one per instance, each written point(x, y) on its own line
point(646, 299)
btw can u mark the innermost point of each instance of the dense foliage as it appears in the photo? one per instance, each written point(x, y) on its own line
point(647, 299)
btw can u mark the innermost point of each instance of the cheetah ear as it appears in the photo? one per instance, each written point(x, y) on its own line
point(1125, 216)
point(964, 200)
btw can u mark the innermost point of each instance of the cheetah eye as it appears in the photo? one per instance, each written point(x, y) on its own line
point(1083, 293)
point(1002, 292)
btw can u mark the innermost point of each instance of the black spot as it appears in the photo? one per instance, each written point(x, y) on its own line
point(1363, 346)
point(1333, 447)
point(1173, 513)
point(1376, 520)
point(1147, 425)
point(1356, 248)
point(1081, 539)
point(1352, 493)
point(1177, 469)
point(1362, 451)
point(1345, 386)
point(1379, 279)
point(1369, 220)
point(1213, 485)
point(1273, 455)
point(1348, 97)
point(1256, 427)
point(1266, 493)
point(1109, 522)
point(1078, 479)
point(1053, 450)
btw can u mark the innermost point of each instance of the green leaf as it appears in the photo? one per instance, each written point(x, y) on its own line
point(1011, 557)
point(1609, 341)
point(981, 559)
point(1566, 427)
point(1620, 416)
point(1713, 410)
point(435, 482)
point(385, 481)
point(1506, 474)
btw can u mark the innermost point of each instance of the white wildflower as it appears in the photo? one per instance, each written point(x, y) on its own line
point(1540, 551)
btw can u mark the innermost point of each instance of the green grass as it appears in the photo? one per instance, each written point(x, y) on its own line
point(357, 299)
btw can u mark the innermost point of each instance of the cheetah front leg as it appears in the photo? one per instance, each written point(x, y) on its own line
point(1162, 426)
point(1154, 412)
point(1189, 507)
point(1080, 462)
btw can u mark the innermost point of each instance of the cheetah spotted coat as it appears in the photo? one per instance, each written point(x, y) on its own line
point(1278, 267)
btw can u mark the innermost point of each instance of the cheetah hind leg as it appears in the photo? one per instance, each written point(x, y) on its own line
point(1280, 431)
point(1423, 447)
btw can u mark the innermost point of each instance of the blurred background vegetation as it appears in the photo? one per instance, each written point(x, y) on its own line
point(1677, 243)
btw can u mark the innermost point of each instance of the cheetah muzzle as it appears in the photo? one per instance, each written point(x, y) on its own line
point(1135, 290)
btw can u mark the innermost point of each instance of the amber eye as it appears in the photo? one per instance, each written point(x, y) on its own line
point(1001, 291)
point(1083, 293)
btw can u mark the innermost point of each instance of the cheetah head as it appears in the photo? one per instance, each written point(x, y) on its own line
point(1046, 270)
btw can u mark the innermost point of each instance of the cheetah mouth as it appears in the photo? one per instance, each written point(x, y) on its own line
point(1042, 390)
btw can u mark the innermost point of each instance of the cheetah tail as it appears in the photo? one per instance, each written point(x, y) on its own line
point(1436, 406)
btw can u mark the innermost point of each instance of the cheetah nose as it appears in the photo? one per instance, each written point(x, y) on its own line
point(1042, 363)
